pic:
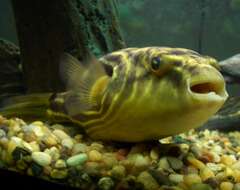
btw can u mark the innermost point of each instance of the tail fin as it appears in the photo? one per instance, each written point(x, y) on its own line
point(28, 107)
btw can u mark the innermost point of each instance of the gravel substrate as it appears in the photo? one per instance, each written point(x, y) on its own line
point(203, 160)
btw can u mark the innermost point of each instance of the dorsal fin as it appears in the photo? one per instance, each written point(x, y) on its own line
point(80, 79)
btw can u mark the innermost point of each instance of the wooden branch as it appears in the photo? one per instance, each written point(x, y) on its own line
point(11, 78)
point(46, 29)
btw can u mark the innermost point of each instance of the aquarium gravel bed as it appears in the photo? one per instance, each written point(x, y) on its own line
point(195, 160)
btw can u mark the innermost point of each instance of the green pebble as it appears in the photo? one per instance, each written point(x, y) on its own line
point(77, 159)
point(105, 183)
point(200, 186)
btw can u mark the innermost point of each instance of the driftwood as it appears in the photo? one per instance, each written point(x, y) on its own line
point(46, 29)
point(230, 68)
point(227, 118)
point(11, 78)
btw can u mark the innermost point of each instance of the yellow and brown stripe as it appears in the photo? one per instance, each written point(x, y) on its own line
point(132, 81)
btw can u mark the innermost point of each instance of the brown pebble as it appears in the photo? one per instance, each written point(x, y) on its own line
point(213, 182)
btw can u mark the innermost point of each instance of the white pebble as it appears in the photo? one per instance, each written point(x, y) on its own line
point(41, 158)
point(68, 143)
point(61, 134)
point(17, 141)
point(38, 131)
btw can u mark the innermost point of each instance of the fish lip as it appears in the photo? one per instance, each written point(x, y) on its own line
point(216, 85)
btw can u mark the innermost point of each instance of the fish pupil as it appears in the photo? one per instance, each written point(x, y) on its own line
point(155, 63)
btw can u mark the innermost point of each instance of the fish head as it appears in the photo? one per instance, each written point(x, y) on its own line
point(181, 89)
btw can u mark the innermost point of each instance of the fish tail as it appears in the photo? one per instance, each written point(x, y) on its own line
point(29, 107)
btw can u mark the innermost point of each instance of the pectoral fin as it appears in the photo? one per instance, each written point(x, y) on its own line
point(85, 83)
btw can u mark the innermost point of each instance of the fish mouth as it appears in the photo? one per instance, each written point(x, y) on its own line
point(209, 88)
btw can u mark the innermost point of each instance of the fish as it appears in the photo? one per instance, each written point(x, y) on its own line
point(131, 95)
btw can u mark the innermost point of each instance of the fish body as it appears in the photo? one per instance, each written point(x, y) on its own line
point(139, 94)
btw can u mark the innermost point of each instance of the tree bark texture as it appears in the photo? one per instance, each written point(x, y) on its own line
point(11, 78)
point(46, 29)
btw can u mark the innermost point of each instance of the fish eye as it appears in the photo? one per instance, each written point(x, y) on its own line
point(155, 63)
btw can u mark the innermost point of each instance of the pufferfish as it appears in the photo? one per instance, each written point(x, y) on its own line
point(133, 94)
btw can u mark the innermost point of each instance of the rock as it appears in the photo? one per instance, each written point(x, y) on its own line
point(37, 123)
point(92, 168)
point(109, 160)
point(175, 163)
point(47, 170)
point(36, 169)
point(230, 68)
point(30, 136)
point(105, 183)
point(17, 141)
point(49, 140)
point(27, 146)
point(68, 143)
point(154, 154)
point(2, 133)
point(61, 135)
point(140, 162)
point(229, 173)
point(21, 165)
point(191, 179)
point(19, 153)
point(12, 144)
point(94, 156)
point(228, 160)
point(236, 186)
point(37, 130)
point(77, 159)
point(4, 142)
point(160, 177)
point(236, 165)
point(78, 137)
point(118, 172)
point(59, 174)
point(197, 163)
point(96, 146)
point(225, 185)
point(16, 128)
point(190, 170)
point(176, 178)
point(148, 181)
point(79, 148)
point(60, 164)
point(200, 186)
point(41, 158)
point(35, 146)
point(163, 164)
point(54, 153)
point(206, 173)
point(213, 182)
